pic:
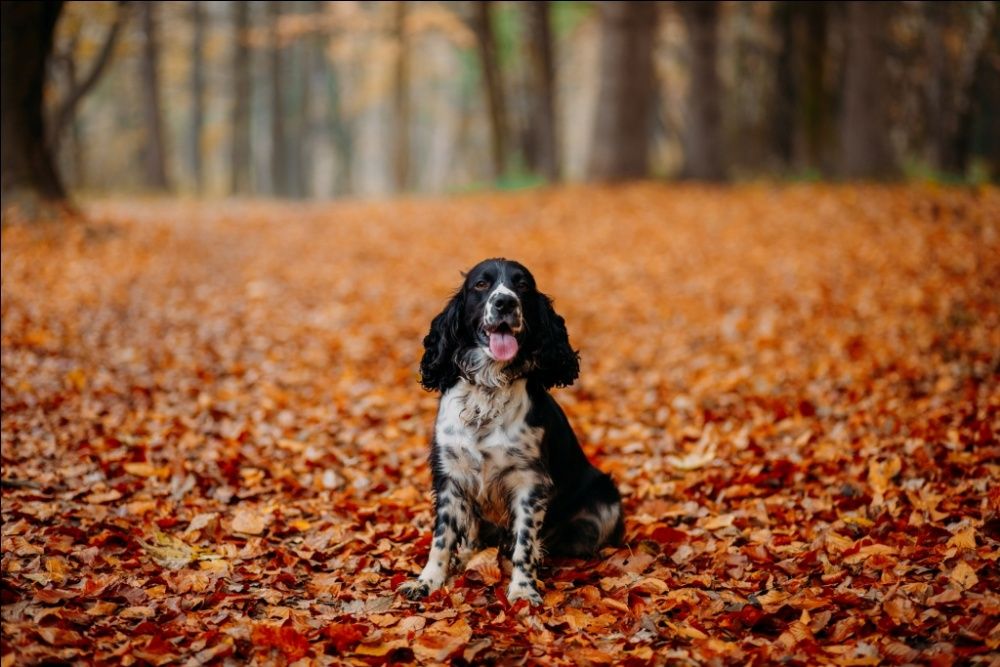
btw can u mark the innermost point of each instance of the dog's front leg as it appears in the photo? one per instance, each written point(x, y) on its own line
point(530, 501)
point(452, 517)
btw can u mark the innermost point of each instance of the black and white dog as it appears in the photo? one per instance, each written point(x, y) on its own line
point(508, 470)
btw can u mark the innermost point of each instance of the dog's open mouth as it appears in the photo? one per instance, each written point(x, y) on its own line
point(503, 343)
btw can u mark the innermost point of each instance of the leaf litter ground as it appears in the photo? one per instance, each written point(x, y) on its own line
point(214, 444)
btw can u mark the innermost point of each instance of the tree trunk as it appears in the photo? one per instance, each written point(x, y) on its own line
point(703, 131)
point(980, 121)
point(240, 165)
point(66, 111)
point(801, 117)
point(950, 81)
point(543, 73)
point(279, 160)
point(401, 100)
point(197, 93)
point(864, 131)
point(783, 103)
point(627, 91)
point(154, 155)
point(335, 126)
point(29, 176)
point(295, 80)
point(482, 26)
point(810, 39)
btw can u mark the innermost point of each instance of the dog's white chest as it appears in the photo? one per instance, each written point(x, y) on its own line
point(485, 444)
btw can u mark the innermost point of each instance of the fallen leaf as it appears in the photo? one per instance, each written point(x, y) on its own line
point(250, 521)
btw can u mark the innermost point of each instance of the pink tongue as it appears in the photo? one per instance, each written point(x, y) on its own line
point(503, 346)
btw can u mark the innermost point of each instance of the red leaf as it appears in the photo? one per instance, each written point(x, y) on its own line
point(344, 636)
point(668, 535)
point(286, 639)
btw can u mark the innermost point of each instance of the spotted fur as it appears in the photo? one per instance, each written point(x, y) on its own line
point(506, 466)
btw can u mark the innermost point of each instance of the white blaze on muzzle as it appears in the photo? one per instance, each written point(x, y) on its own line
point(503, 345)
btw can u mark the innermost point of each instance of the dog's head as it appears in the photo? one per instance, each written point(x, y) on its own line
point(498, 326)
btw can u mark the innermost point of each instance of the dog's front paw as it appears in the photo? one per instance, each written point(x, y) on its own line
point(414, 589)
point(524, 591)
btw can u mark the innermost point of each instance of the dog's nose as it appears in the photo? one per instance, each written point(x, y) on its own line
point(504, 304)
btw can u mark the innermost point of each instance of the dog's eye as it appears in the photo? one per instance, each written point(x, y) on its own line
point(481, 285)
point(522, 285)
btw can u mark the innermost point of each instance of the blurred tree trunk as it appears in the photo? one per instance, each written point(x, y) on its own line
point(65, 112)
point(864, 131)
point(29, 176)
point(308, 134)
point(482, 26)
point(627, 91)
point(335, 125)
point(801, 120)
point(981, 120)
point(542, 68)
point(240, 165)
point(951, 78)
point(813, 103)
point(279, 160)
point(783, 125)
point(295, 78)
point(197, 93)
point(401, 99)
point(154, 152)
point(703, 128)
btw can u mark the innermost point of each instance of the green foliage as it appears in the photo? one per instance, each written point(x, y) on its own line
point(566, 16)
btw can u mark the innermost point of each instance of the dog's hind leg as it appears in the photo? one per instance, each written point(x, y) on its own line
point(595, 525)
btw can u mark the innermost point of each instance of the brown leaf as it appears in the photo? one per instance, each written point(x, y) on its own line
point(442, 640)
point(250, 521)
point(484, 566)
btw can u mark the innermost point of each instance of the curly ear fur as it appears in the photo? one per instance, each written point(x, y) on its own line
point(556, 364)
point(438, 370)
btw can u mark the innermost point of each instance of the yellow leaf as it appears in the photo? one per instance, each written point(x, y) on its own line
point(964, 576)
point(77, 379)
point(963, 539)
point(300, 525)
point(720, 521)
point(146, 470)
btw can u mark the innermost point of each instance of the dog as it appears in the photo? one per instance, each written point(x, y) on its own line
point(507, 468)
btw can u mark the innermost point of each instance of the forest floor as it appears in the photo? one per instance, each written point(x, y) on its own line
point(215, 445)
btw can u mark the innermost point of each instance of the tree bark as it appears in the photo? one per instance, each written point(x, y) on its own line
point(703, 131)
point(66, 111)
point(295, 81)
point(542, 67)
point(864, 131)
point(29, 176)
point(197, 93)
point(950, 81)
point(810, 36)
point(401, 99)
point(240, 165)
point(155, 161)
point(331, 124)
point(801, 118)
point(279, 156)
point(482, 26)
point(627, 91)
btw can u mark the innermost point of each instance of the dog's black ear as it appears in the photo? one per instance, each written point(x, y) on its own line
point(438, 370)
point(556, 364)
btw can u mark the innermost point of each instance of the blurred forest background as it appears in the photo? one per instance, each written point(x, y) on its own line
point(314, 99)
